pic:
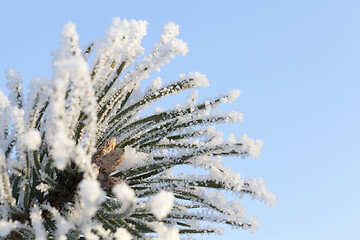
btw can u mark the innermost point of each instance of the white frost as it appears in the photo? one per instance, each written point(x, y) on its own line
point(161, 204)
point(14, 85)
point(251, 146)
point(122, 234)
point(42, 187)
point(199, 80)
point(5, 116)
point(125, 194)
point(231, 97)
point(257, 185)
point(37, 223)
point(91, 191)
point(132, 159)
point(92, 195)
point(32, 139)
point(165, 233)
point(6, 227)
point(62, 148)
point(170, 30)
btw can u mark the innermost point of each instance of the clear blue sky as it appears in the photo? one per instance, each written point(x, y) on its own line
point(297, 64)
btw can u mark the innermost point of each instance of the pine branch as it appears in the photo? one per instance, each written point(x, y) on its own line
point(100, 167)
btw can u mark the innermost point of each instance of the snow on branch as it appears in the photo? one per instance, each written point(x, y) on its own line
point(89, 155)
point(14, 85)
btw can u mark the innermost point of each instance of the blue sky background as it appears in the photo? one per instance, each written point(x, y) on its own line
point(298, 67)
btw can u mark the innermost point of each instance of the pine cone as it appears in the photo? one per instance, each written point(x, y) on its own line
point(109, 162)
point(107, 147)
point(109, 181)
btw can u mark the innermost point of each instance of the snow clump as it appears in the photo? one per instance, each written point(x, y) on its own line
point(161, 204)
point(32, 139)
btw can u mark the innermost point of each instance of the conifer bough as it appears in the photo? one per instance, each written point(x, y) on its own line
point(83, 157)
